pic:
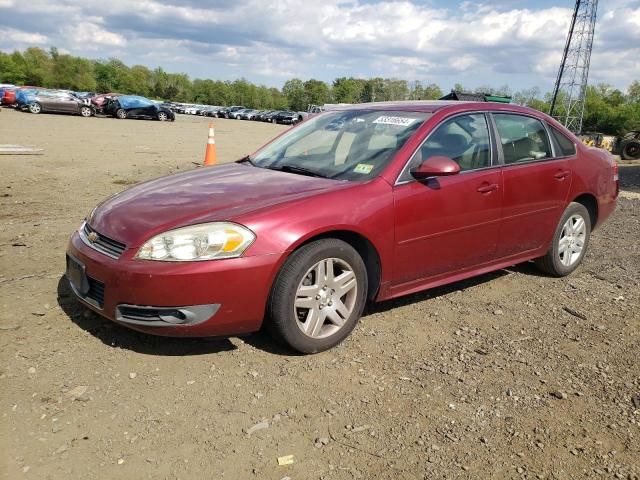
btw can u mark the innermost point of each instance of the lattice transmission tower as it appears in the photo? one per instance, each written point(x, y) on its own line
point(570, 90)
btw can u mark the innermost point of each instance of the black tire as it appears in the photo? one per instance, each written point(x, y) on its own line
point(35, 108)
point(551, 263)
point(282, 319)
point(162, 116)
point(86, 111)
point(121, 113)
point(630, 150)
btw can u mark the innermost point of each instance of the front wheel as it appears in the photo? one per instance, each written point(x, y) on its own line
point(121, 113)
point(318, 296)
point(162, 116)
point(35, 107)
point(569, 243)
point(86, 111)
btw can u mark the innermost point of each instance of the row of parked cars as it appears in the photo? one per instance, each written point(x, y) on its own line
point(86, 104)
point(239, 112)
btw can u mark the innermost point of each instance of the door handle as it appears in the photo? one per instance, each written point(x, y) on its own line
point(488, 188)
point(561, 174)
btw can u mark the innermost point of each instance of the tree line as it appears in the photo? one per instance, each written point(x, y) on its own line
point(607, 109)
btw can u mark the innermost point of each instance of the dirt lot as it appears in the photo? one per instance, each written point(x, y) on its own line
point(510, 375)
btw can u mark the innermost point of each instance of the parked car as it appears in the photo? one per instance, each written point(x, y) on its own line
point(226, 112)
point(5, 87)
point(10, 94)
point(134, 106)
point(24, 96)
point(268, 117)
point(249, 114)
point(100, 101)
point(239, 113)
point(364, 203)
point(55, 101)
point(287, 118)
point(210, 111)
point(261, 115)
point(192, 110)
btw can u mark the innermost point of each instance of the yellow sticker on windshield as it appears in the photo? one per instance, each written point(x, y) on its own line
point(363, 168)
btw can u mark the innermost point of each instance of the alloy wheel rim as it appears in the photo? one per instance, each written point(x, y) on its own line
point(162, 116)
point(86, 112)
point(572, 238)
point(325, 298)
point(35, 108)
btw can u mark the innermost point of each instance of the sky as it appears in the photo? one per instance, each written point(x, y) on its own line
point(518, 42)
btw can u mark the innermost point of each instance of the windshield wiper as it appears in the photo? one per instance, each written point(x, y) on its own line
point(248, 160)
point(298, 170)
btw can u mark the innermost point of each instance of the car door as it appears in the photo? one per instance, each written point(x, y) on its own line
point(67, 103)
point(536, 183)
point(149, 111)
point(48, 101)
point(449, 224)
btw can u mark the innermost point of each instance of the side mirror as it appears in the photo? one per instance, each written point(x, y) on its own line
point(437, 166)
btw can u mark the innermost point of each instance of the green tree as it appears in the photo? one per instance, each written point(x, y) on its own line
point(12, 68)
point(373, 90)
point(395, 89)
point(316, 92)
point(37, 67)
point(348, 90)
point(293, 90)
point(633, 92)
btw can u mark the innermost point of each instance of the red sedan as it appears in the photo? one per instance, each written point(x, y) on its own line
point(369, 202)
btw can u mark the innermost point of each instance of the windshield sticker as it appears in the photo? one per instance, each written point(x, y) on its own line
point(363, 168)
point(399, 121)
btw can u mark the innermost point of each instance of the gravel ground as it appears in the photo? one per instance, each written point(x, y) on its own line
point(509, 375)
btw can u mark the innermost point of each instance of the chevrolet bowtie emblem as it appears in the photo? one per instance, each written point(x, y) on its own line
point(92, 237)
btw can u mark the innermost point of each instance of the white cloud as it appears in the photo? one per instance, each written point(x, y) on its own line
point(471, 42)
point(91, 36)
point(20, 37)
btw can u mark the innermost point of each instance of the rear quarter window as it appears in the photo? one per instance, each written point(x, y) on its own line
point(566, 146)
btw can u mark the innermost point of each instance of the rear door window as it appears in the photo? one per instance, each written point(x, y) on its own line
point(523, 139)
point(567, 147)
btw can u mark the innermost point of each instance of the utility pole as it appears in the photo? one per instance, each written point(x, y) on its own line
point(567, 105)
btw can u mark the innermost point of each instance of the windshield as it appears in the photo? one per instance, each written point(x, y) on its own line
point(343, 145)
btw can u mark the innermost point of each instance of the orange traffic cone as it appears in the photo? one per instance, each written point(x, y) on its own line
point(210, 155)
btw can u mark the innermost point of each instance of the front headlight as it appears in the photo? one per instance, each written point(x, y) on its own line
point(207, 241)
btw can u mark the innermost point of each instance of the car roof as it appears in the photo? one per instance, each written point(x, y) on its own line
point(431, 106)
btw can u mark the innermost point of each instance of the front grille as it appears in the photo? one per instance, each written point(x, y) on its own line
point(103, 244)
point(96, 291)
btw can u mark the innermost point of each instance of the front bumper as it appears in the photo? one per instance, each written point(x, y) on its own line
point(228, 296)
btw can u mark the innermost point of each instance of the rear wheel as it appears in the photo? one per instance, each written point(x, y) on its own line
point(162, 116)
point(630, 150)
point(35, 107)
point(318, 296)
point(121, 113)
point(86, 111)
point(569, 243)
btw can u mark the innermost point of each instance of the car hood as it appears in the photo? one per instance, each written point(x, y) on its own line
point(203, 195)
